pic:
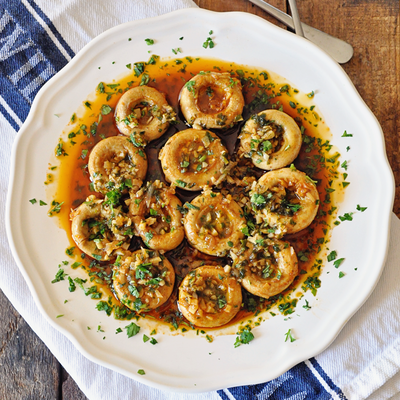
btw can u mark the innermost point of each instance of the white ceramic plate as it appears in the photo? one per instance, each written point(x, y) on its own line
point(184, 363)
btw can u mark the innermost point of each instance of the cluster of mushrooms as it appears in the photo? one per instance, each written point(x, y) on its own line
point(283, 201)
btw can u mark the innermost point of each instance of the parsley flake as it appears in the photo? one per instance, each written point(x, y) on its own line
point(208, 43)
point(145, 338)
point(289, 336)
point(311, 94)
point(105, 109)
point(148, 236)
point(180, 183)
point(59, 276)
point(307, 306)
point(332, 255)
point(131, 330)
point(338, 262)
point(346, 217)
point(345, 134)
point(245, 337)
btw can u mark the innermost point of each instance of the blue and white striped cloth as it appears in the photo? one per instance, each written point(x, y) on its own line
point(37, 38)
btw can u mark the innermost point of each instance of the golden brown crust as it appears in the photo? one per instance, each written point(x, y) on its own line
point(272, 139)
point(212, 100)
point(209, 297)
point(268, 266)
point(96, 233)
point(114, 163)
point(286, 199)
point(156, 216)
point(144, 113)
point(214, 223)
point(193, 159)
point(143, 280)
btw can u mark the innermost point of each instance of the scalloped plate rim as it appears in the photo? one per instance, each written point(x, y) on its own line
point(69, 69)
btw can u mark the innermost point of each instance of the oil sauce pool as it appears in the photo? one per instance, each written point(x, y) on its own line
point(84, 131)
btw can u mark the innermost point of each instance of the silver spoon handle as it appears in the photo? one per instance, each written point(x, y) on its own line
point(338, 49)
point(296, 18)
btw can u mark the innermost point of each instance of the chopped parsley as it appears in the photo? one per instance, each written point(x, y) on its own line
point(257, 198)
point(190, 86)
point(346, 217)
point(338, 262)
point(104, 306)
point(72, 286)
point(100, 87)
point(245, 337)
point(345, 134)
point(76, 264)
point(289, 336)
point(131, 330)
point(307, 306)
point(105, 109)
point(138, 68)
point(70, 251)
point(148, 236)
point(60, 150)
point(332, 255)
point(180, 183)
point(60, 275)
point(145, 80)
point(208, 43)
point(191, 206)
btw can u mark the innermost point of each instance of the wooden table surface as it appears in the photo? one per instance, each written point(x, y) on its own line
point(27, 368)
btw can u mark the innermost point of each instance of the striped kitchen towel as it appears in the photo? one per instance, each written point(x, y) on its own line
point(38, 38)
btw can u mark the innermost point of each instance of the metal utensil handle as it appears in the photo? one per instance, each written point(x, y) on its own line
point(296, 18)
point(338, 49)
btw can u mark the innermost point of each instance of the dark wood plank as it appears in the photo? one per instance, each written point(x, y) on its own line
point(372, 29)
point(242, 5)
point(69, 389)
point(28, 370)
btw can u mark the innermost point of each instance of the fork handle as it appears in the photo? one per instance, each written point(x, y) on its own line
point(338, 49)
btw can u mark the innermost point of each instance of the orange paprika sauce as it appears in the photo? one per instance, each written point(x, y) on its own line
point(261, 90)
